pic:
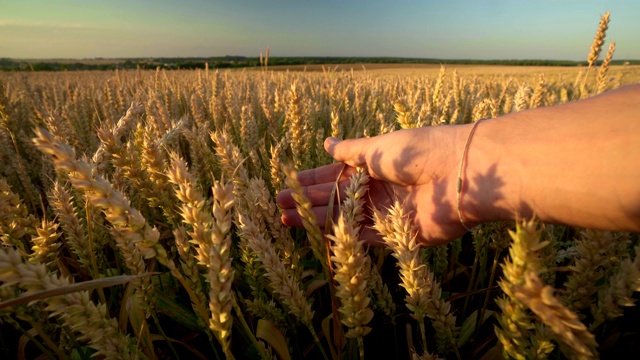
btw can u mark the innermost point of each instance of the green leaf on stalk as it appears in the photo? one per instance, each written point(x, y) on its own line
point(269, 332)
point(469, 326)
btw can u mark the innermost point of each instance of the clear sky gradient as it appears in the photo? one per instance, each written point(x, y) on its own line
point(481, 29)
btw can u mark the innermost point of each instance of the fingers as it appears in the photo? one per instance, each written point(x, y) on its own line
point(352, 152)
point(290, 217)
point(370, 236)
point(318, 195)
point(318, 182)
point(324, 174)
point(317, 185)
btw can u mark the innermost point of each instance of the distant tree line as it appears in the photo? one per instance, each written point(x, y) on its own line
point(244, 62)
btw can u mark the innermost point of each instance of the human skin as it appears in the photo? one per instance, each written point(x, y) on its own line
point(576, 164)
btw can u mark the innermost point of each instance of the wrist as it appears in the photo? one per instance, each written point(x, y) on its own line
point(463, 184)
point(490, 187)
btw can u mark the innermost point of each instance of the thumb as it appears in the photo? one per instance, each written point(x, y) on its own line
point(352, 151)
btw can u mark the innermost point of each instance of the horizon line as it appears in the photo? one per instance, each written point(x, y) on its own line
point(298, 57)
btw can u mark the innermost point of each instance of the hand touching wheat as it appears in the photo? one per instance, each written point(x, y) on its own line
point(418, 167)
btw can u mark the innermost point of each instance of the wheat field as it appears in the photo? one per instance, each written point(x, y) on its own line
point(138, 220)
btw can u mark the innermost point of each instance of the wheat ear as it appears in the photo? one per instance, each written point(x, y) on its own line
point(351, 271)
point(516, 323)
point(403, 114)
point(90, 321)
point(416, 277)
point(596, 48)
point(45, 245)
point(304, 207)
point(604, 68)
point(136, 240)
point(280, 280)
point(622, 284)
point(296, 127)
point(424, 293)
point(267, 213)
point(598, 40)
point(383, 298)
point(189, 265)
point(353, 204)
point(15, 220)
point(74, 231)
point(567, 328)
point(521, 98)
point(592, 249)
point(124, 126)
point(210, 234)
point(192, 207)
point(283, 282)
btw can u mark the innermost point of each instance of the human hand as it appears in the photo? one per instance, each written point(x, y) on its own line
point(418, 167)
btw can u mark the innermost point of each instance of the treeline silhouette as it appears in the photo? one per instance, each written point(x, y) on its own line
point(7, 64)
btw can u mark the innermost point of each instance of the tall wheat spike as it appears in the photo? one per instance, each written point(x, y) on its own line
point(596, 48)
point(598, 40)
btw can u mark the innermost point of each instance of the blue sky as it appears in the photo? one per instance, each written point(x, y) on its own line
point(482, 29)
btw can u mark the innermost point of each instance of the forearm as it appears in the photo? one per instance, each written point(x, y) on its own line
point(576, 164)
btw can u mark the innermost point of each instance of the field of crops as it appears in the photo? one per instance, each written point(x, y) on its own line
point(138, 220)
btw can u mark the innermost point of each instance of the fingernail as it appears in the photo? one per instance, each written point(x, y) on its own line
point(331, 141)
